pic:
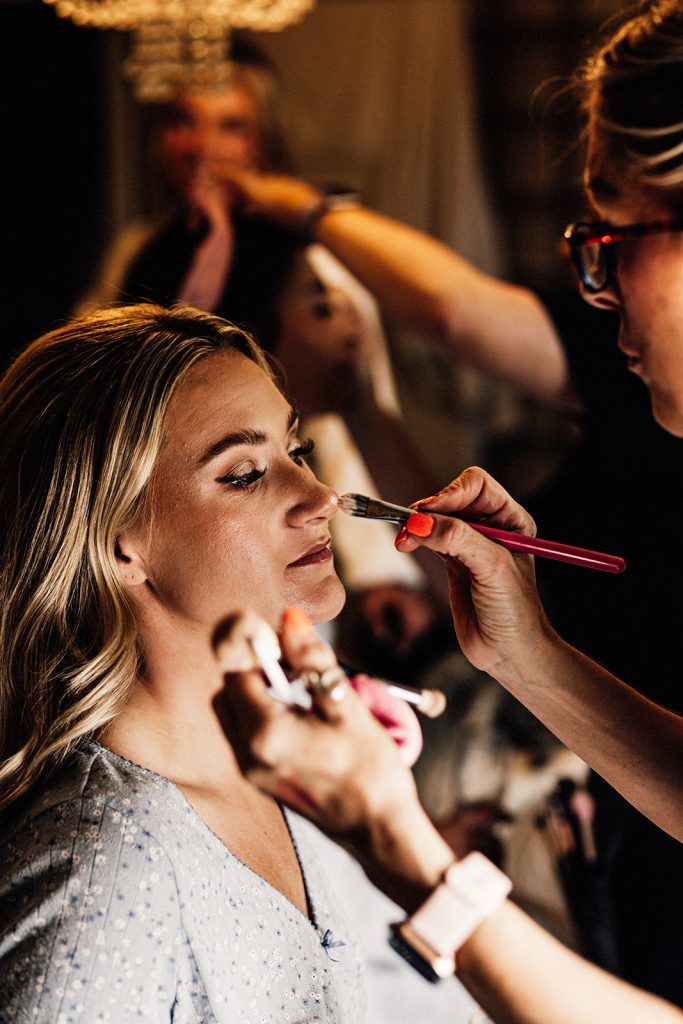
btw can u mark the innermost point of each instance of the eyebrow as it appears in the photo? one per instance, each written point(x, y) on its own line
point(239, 437)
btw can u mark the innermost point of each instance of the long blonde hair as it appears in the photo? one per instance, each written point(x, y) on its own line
point(81, 422)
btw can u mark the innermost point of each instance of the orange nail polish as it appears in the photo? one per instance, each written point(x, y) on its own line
point(401, 536)
point(423, 501)
point(296, 620)
point(420, 524)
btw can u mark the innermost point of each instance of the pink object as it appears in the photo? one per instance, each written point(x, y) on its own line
point(397, 717)
point(375, 508)
point(551, 549)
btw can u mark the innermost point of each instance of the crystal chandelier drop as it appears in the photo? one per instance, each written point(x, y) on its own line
point(181, 43)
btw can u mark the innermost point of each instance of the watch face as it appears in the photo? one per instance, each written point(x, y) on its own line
point(440, 967)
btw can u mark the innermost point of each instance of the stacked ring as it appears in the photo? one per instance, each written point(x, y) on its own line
point(332, 681)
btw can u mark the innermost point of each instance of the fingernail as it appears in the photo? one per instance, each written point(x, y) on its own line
point(423, 501)
point(420, 524)
point(296, 620)
point(401, 536)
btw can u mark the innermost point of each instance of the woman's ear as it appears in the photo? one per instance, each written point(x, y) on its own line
point(129, 561)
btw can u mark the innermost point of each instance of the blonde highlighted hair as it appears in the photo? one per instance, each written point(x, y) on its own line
point(81, 422)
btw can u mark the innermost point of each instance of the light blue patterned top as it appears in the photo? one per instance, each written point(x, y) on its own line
point(118, 904)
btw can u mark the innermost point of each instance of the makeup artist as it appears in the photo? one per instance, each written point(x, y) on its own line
point(562, 351)
point(151, 477)
point(630, 262)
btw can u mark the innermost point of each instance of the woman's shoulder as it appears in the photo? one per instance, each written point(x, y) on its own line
point(99, 827)
point(84, 883)
point(94, 793)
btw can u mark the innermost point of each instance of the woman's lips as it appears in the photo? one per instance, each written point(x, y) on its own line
point(315, 557)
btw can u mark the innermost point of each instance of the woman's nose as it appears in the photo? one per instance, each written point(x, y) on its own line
point(316, 501)
point(198, 141)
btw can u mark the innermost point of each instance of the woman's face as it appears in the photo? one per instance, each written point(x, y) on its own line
point(319, 343)
point(648, 288)
point(237, 519)
point(209, 128)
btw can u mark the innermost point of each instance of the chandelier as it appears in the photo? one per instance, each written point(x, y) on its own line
point(181, 43)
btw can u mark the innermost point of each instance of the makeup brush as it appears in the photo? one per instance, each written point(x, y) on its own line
point(374, 508)
point(430, 703)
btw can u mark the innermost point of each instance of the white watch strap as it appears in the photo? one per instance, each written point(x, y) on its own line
point(472, 889)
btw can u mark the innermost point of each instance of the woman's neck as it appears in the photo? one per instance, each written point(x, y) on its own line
point(169, 724)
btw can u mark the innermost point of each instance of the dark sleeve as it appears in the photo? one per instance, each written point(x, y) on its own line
point(618, 493)
point(158, 271)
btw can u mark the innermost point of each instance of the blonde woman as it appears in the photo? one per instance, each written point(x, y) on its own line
point(151, 480)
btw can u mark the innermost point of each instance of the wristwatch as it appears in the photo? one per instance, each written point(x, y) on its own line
point(330, 201)
point(471, 890)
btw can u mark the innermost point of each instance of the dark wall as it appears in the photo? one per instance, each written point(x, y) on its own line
point(55, 174)
point(525, 54)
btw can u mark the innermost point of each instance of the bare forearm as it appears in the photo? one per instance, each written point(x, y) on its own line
point(634, 744)
point(500, 329)
point(521, 975)
point(516, 971)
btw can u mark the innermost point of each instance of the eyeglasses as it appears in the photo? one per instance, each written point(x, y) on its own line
point(592, 247)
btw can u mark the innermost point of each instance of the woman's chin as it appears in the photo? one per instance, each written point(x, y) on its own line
point(668, 412)
point(326, 603)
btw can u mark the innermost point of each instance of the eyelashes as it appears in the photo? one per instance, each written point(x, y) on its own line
point(302, 450)
point(247, 481)
point(244, 481)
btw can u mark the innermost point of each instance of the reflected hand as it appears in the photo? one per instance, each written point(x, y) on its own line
point(287, 201)
point(207, 197)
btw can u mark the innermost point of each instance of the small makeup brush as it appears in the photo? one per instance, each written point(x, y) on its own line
point(374, 508)
point(430, 703)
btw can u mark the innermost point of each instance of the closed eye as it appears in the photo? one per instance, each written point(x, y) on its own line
point(248, 479)
point(242, 481)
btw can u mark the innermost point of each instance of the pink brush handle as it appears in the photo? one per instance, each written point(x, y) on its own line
point(552, 549)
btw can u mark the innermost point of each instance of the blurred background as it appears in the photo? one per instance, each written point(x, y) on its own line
point(455, 116)
point(449, 114)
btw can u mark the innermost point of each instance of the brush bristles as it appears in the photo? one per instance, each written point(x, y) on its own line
point(354, 504)
point(433, 703)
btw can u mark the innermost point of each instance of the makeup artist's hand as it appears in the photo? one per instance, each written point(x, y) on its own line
point(498, 616)
point(335, 763)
